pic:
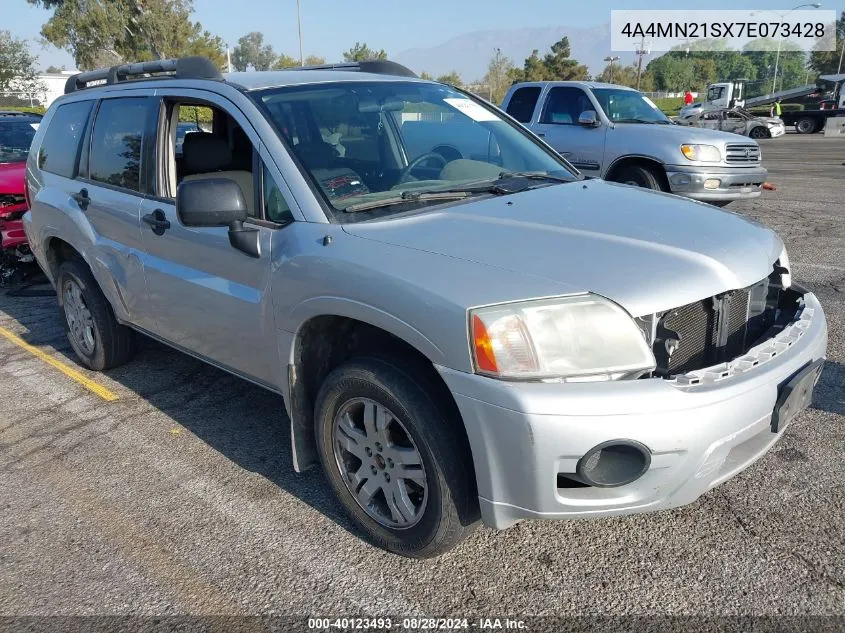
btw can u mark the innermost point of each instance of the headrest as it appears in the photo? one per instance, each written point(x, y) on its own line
point(204, 152)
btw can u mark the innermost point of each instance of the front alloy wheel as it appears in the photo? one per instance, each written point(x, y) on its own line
point(380, 463)
point(395, 453)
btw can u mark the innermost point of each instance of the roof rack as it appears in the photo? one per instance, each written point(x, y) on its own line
point(19, 113)
point(182, 68)
point(375, 66)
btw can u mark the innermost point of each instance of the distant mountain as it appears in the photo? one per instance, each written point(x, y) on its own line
point(469, 54)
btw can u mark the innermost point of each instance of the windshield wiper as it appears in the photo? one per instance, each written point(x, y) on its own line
point(424, 196)
point(533, 175)
point(659, 122)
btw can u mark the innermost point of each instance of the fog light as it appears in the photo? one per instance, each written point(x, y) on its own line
point(681, 180)
point(712, 183)
point(614, 463)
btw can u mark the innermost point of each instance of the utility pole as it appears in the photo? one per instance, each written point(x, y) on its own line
point(496, 74)
point(611, 59)
point(299, 26)
point(641, 51)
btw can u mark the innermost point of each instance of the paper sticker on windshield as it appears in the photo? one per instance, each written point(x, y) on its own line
point(650, 102)
point(34, 126)
point(472, 109)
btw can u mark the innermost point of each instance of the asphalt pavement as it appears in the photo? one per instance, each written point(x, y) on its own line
point(178, 497)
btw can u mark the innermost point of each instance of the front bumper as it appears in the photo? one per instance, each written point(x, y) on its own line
point(777, 130)
point(700, 429)
point(735, 183)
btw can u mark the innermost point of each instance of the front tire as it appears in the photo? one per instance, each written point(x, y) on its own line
point(638, 176)
point(96, 337)
point(396, 457)
point(760, 132)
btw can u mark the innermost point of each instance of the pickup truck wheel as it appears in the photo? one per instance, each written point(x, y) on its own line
point(805, 125)
point(99, 341)
point(638, 176)
point(394, 458)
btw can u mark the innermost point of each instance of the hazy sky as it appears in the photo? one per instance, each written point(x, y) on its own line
point(331, 26)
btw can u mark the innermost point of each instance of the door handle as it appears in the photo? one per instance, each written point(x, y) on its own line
point(157, 221)
point(541, 134)
point(81, 198)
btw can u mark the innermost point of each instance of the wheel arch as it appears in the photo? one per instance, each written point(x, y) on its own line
point(642, 160)
point(325, 340)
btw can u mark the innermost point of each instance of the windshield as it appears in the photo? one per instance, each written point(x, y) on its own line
point(15, 139)
point(628, 106)
point(366, 142)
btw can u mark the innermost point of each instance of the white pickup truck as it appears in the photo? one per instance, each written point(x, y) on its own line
point(619, 134)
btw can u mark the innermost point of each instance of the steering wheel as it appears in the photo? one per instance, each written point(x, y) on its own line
point(419, 160)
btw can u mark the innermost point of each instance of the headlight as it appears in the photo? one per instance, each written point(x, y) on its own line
point(583, 337)
point(786, 277)
point(702, 153)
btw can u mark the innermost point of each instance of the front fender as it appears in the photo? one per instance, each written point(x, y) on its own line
point(349, 308)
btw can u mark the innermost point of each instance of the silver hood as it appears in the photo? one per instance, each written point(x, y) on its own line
point(647, 251)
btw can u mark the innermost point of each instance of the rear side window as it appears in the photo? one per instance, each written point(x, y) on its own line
point(59, 151)
point(117, 142)
point(522, 103)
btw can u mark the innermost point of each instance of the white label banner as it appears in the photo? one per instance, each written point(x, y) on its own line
point(734, 30)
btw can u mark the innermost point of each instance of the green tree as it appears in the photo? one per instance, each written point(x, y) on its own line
point(314, 60)
point(361, 53)
point(560, 66)
point(498, 77)
point(94, 31)
point(626, 76)
point(54, 69)
point(533, 69)
point(425, 75)
point(252, 51)
point(828, 62)
point(452, 78)
point(285, 61)
point(17, 66)
point(791, 66)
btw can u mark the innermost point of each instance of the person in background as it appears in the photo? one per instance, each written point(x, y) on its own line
point(775, 110)
point(687, 97)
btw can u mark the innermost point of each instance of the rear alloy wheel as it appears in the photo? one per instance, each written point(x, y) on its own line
point(805, 126)
point(99, 341)
point(760, 132)
point(638, 176)
point(396, 457)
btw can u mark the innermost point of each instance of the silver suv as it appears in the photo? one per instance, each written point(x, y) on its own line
point(460, 330)
point(619, 134)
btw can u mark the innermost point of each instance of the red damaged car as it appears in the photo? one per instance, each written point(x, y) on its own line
point(16, 132)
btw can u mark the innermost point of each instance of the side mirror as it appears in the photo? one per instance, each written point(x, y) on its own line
point(218, 202)
point(588, 118)
point(210, 202)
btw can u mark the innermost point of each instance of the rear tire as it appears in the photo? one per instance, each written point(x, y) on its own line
point(412, 489)
point(98, 340)
point(638, 176)
point(805, 125)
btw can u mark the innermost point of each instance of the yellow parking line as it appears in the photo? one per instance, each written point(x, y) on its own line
point(70, 372)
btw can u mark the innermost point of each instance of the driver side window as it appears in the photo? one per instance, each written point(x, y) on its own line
point(564, 105)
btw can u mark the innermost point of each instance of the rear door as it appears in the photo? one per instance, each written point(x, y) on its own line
point(112, 184)
point(558, 125)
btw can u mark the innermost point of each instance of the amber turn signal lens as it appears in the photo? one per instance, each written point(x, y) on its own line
point(485, 359)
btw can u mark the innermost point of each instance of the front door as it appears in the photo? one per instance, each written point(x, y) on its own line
point(558, 126)
point(207, 297)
